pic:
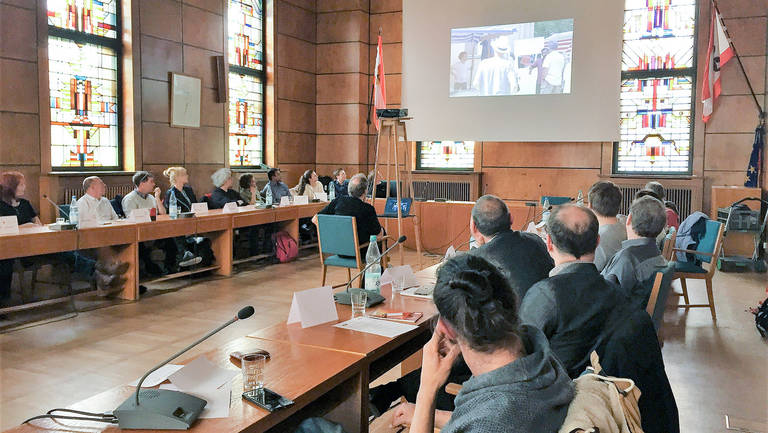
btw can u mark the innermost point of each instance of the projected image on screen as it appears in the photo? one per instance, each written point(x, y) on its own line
point(512, 59)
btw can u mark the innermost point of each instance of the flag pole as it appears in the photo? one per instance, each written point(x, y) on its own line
point(741, 65)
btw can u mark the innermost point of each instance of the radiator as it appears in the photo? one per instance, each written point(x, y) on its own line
point(681, 197)
point(112, 191)
point(430, 190)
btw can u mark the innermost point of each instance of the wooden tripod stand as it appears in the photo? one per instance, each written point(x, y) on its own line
point(389, 133)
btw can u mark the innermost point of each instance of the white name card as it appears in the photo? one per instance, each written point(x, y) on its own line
point(9, 225)
point(313, 307)
point(322, 196)
point(87, 222)
point(200, 208)
point(139, 216)
point(285, 201)
point(301, 199)
point(230, 207)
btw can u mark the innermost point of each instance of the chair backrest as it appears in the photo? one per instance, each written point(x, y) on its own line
point(337, 234)
point(710, 241)
point(64, 211)
point(662, 285)
point(555, 200)
point(669, 244)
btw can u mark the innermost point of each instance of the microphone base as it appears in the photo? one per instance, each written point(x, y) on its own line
point(159, 409)
point(344, 298)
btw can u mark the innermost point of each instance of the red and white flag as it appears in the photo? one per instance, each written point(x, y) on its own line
point(379, 86)
point(719, 51)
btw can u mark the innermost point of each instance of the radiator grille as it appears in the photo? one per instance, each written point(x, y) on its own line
point(112, 191)
point(430, 190)
point(681, 197)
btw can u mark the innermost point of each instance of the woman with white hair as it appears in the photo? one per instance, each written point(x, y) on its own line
point(222, 192)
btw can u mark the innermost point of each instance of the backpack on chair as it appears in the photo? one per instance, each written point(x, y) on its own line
point(286, 248)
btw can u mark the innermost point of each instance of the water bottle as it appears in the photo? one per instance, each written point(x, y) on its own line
point(580, 199)
point(173, 206)
point(74, 215)
point(269, 194)
point(331, 191)
point(545, 213)
point(373, 274)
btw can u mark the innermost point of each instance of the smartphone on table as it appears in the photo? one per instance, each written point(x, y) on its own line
point(267, 399)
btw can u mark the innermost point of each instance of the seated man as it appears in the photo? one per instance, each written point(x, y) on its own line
point(354, 205)
point(636, 264)
point(673, 219)
point(276, 185)
point(521, 256)
point(604, 200)
point(572, 306)
point(93, 206)
point(145, 196)
point(517, 384)
point(222, 190)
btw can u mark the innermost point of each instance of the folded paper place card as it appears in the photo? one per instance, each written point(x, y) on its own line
point(401, 273)
point(321, 196)
point(199, 207)
point(230, 207)
point(301, 199)
point(285, 201)
point(313, 307)
point(450, 252)
point(139, 216)
point(9, 225)
point(247, 208)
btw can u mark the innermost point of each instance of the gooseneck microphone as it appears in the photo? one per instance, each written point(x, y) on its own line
point(163, 409)
point(56, 206)
point(373, 297)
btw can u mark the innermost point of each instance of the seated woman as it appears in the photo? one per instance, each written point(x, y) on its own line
point(222, 190)
point(339, 183)
point(105, 276)
point(248, 191)
point(308, 185)
point(178, 254)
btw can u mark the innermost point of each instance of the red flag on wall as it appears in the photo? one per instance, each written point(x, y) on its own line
point(719, 51)
point(379, 86)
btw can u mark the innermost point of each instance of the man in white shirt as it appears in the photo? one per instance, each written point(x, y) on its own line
point(497, 75)
point(93, 206)
point(460, 73)
point(146, 195)
point(552, 69)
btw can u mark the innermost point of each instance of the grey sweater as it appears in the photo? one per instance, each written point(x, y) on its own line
point(531, 394)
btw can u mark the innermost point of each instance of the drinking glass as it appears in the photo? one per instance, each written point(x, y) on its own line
point(253, 371)
point(359, 297)
point(398, 284)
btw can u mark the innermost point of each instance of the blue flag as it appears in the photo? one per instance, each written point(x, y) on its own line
point(753, 169)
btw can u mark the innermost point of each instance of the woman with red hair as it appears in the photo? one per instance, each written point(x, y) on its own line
point(13, 185)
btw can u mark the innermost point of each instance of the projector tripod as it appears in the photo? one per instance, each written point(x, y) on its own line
point(388, 132)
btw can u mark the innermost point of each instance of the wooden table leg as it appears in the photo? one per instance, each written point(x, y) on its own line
point(128, 253)
point(292, 227)
point(221, 244)
point(352, 413)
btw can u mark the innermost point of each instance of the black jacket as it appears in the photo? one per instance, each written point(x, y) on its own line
point(219, 198)
point(522, 256)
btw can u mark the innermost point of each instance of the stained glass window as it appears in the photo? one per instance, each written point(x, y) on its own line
point(246, 83)
point(83, 64)
point(657, 87)
point(453, 155)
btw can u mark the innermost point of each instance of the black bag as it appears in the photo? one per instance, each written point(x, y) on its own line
point(201, 247)
point(761, 319)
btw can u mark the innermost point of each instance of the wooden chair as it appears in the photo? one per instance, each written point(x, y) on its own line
point(337, 237)
point(669, 245)
point(708, 251)
point(662, 285)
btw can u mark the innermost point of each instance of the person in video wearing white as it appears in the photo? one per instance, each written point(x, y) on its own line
point(552, 68)
point(497, 75)
point(460, 72)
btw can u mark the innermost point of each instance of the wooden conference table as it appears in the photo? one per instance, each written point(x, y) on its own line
point(324, 370)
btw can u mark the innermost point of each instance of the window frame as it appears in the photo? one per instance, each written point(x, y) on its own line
point(114, 44)
point(661, 74)
point(262, 76)
point(419, 167)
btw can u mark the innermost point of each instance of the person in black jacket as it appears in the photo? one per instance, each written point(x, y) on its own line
point(522, 257)
point(184, 193)
point(222, 192)
point(353, 205)
point(572, 306)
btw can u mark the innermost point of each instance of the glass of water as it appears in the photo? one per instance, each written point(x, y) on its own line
point(398, 284)
point(359, 297)
point(252, 365)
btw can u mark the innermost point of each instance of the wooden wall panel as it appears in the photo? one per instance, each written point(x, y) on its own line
point(160, 56)
point(727, 151)
point(19, 139)
point(18, 88)
point(530, 154)
point(19, 37)
point(301, 24)
point(161, 18)
point(532, 183)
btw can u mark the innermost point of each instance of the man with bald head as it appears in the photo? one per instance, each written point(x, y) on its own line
point(572, 306)
point(521, 256)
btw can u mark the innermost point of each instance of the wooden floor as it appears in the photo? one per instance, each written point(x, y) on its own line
point(714, 370)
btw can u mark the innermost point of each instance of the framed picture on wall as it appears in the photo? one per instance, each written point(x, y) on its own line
point(185, 101)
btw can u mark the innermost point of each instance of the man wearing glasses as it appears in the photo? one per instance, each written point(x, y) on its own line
point(146, 195)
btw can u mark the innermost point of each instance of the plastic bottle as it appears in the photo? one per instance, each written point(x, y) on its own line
point(173, 206)
point(546, 211)
point(74, 213)
point(331, 191)
point(269, 194)
point(580, 199)
point(373, 274)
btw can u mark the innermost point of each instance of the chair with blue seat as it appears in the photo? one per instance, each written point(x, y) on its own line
point(338, 243)
point(707, 251)
point(555, 200)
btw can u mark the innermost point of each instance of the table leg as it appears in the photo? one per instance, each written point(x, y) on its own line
point(128, 253)
point(292, 227)
point(352, 413)
point(221, 243)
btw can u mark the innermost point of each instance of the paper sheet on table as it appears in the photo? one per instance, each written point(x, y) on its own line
point(385, 328)
point(218, 399)
point(158, 376)
point(390, 274)
point(201, 374)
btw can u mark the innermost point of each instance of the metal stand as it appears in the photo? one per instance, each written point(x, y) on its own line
point(389, 133)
